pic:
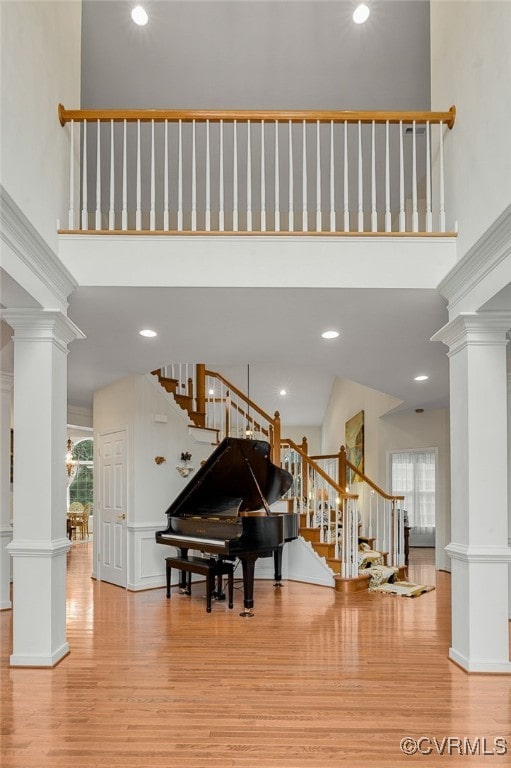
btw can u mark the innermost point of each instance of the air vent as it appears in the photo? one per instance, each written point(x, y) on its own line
point(420, 130)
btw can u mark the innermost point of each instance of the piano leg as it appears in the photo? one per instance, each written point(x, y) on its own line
point(277, 559)
point(184, 587)
point(248, 565)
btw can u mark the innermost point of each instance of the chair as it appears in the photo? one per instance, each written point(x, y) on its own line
point(82, 521)
point(74, 518)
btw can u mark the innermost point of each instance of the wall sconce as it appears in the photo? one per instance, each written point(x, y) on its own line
point(184, 468)
point(70, 462)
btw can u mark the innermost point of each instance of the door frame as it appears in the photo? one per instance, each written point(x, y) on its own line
point(98, 488)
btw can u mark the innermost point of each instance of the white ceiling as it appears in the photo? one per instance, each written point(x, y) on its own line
point(384, 341)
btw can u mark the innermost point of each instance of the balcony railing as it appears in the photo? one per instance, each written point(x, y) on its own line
point(168, 171)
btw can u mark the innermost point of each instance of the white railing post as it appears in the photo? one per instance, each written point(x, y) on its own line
point(277, 179)
point(111, 211)
point(85, 213)
point(166, 178)
point(71, 212)
point(124, 215)
point(221, 215)
point(97, 222)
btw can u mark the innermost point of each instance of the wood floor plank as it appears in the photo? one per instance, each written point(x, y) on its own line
point(315, 679)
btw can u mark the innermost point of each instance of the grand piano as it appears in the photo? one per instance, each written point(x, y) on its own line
point(225, 510)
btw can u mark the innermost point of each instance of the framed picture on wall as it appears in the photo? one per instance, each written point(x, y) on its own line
point(354, 441)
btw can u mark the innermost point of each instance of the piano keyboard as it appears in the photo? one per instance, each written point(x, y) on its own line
point(175, 537)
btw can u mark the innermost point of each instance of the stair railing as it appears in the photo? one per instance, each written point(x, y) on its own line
point(323, 504)
point(249, 171)
point(382, 513)
point(233, 414)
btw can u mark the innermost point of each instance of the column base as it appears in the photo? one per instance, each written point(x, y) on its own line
point(40, 661)
point(482, 666)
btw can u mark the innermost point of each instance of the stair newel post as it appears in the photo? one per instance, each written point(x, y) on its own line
point(305, 446)
point(276, 438)
point(200, 387)
point(342, 474)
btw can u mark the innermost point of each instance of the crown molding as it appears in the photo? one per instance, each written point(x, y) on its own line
point(483, 257)
point(20, 235)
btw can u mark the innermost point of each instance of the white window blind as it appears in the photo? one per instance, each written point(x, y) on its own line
point(413, 476)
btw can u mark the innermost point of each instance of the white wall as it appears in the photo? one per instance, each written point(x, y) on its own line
point(414, 431)
point(385, 432)
point(40, 64)
point(156, 427)
point(471, 68)
point(347, 399)
point(313, 435)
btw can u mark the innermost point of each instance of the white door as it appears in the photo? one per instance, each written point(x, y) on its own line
point(113, 492)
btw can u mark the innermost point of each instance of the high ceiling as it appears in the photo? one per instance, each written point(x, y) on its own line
point(270, 54)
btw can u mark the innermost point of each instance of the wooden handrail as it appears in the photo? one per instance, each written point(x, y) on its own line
point(375, 487)
point(244, 115)
point(240, 394)
point(308, 460)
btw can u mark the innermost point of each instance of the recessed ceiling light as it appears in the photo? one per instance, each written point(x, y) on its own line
point(330, 334)
point(139, 16)
point(283, 392)
point(148, 333)
point(361, 13)
point(422, 377)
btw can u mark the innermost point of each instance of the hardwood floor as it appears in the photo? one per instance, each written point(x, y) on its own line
point(315, 679)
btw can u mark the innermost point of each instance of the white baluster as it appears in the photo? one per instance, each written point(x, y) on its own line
point(415, 212)
point(318, 179)
point(402, 217)
point(221, 215)
point(85, 214)
point(263, 181)
point(98, 176)
point(442, 187)
point(235, 178)
point(277, 179)
point(194, 180)
point(346, 178)
point(166, 178)
point(71, 212)
point(304, 179)
point(360, 181)
point(152, 210)
point(111, 212)
point(249, 179)
point(388, 217)
point(429, 214)
point(138, 213)
point(124, 215)
point(374, 215)
point(208, 182)
point(332, 178)
point(180, 178)
point(291, 220)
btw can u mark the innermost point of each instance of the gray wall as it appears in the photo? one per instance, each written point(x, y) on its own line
point(246, 54)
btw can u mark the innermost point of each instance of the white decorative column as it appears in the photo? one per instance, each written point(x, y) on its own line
point(39, 544)
point(509, 476)
point(6, 383)
point(479, 550)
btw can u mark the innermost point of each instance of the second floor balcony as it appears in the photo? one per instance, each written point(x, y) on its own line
point(327, 183)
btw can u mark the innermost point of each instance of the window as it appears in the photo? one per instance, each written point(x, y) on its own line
point(81, 489)
point(413, 475)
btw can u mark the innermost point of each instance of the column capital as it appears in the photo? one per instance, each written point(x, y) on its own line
point(32, 324)
point(475, 329)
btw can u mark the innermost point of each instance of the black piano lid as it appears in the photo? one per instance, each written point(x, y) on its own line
point(232, 480)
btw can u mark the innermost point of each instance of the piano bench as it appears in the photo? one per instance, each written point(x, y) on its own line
point(203, 567)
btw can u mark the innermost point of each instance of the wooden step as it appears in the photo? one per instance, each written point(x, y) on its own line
point(355, 584)
point(184, 401)
point(199, 419)
point(310, 534)
point(335, 564)
point(323, 549)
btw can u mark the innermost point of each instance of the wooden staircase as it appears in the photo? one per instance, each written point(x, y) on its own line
point(186, 400)
point(195, 402)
